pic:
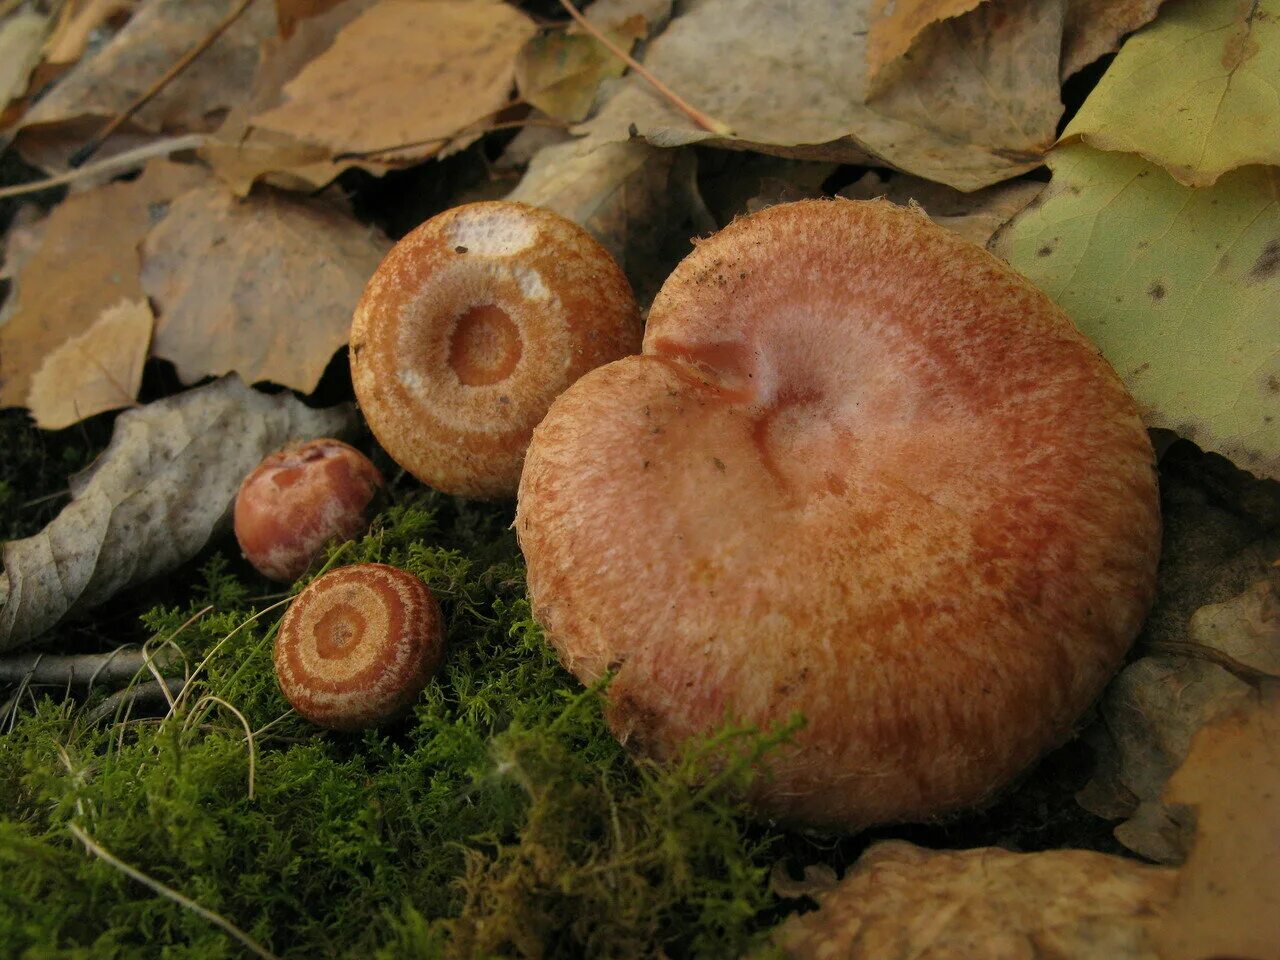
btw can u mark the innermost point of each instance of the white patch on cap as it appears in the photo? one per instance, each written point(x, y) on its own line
point(493, 232)
point(531, 283)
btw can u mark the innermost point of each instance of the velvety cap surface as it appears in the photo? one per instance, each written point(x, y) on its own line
point(471, 326)
point(865, 472)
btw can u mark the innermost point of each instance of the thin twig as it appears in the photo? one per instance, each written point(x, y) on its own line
point(155, 885)
point(79, 670)
point(114, 124)
point(138, 695)
point(128, 160)
point(505, 125)
point(693, 113)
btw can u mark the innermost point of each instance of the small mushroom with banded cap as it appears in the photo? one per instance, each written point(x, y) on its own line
point(471, 326)
point(358, 645)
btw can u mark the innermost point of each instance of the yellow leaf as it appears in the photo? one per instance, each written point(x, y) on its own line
point(1197, 92)
point(1177, 286)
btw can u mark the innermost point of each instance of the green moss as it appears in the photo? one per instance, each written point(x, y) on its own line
point(501, 818)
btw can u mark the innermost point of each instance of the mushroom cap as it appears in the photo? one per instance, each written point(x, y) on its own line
point(862, 471)
point(472, 325)
point(300, 498)
point(358, 645)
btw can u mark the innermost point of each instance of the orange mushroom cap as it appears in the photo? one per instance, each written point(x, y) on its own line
point(862, 471)
point(300, 498)
point(471, 326)
point(358, 645)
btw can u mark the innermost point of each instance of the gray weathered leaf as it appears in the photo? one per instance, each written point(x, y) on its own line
point(1213, 634)
point(162, 488)
point(974, 102)
point(640, 202)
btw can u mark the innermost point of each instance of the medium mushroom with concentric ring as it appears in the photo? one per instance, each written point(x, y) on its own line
point(358, 645)
point(472, 325)
point(862, 471)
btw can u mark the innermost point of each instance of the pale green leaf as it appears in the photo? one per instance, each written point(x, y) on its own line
point(1197, 92)
point(1180, 287)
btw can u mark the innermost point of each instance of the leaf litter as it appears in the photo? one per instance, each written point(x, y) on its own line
point(564, 845)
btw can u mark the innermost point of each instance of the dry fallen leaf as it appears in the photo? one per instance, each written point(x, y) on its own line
point(903, 902)
point(21, 36)
point(155, 37)
point(76, 24)
point(560, 73)
point(162, 488)
point(975, 216)
point(264, 287)
point(366, 93)
point(86, 262)
point(241, 155)
point(1228, 901)
point(1196, 92)
point(974, 102)
point(290, 12)
point(640, 202)
point(99, 370)
point(895, 24)
point(1095, 27)
point(1210, 637)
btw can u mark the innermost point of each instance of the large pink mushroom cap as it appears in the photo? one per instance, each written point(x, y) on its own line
point(862, 471)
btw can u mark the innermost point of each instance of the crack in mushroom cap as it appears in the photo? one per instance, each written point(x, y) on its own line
point(469, 329)
point(358, 645)
point(862, 471)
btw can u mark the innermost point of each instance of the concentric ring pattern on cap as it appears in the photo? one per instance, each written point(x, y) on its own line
point(471, 326)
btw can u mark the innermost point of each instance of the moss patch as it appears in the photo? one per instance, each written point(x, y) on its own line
point(500, 818)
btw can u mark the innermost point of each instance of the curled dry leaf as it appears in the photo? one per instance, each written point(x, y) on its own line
point(21, 36)
point(640, 202)
point(976, 102)
point(290, 12)
point(84, 262)
point(158, 34)
point(1128, 251)
point(1096, 27)
point(975, 216)
point(895, 24)
point(241, 154)
point(1213, 634)
point(264, 287)
point(99, 370)
point(1228, 901)
point(162, 488)
point(364, 94)
point(560, 73)
point(1195, 92)
point(76, 24)
point(903, 902)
